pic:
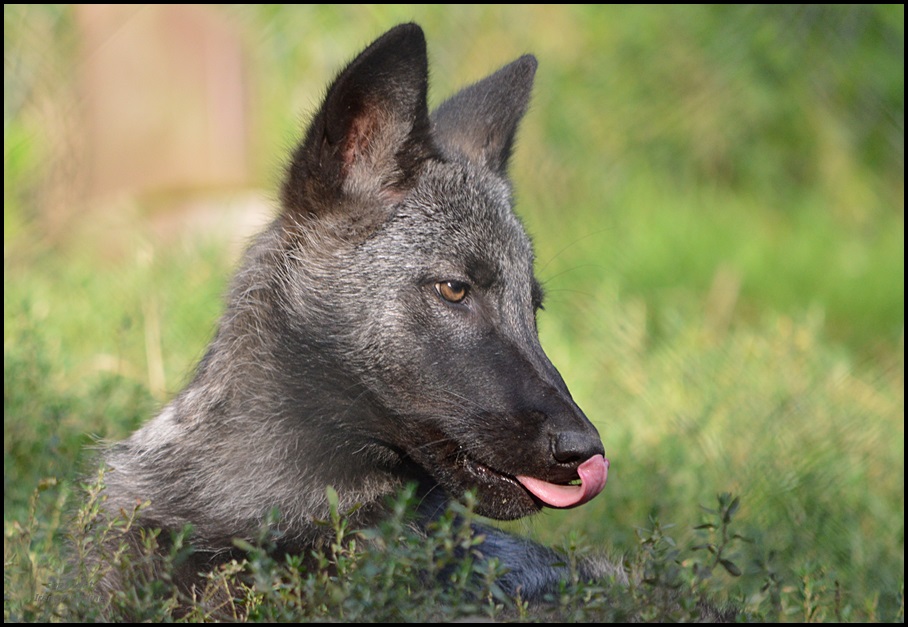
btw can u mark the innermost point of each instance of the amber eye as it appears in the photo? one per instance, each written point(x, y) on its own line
point(452, 291)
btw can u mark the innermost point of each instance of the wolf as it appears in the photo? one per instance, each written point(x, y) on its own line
point(380, 332)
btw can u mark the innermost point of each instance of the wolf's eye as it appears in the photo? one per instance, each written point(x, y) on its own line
point(452, 291)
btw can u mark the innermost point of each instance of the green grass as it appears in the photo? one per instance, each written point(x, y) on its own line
point(716, 197)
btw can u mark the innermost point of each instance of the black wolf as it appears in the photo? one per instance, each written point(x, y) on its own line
point(380, 332)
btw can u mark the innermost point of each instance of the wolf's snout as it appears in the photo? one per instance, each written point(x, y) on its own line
point(577, 452)
point(572, 447)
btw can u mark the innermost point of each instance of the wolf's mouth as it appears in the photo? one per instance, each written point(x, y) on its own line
point(592, 476)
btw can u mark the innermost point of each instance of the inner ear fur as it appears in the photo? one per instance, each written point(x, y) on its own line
point(372, 132)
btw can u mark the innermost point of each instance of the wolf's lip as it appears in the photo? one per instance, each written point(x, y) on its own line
point(593, 475)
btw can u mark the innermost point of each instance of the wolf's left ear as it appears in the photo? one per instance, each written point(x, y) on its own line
point(480, 121)
point(371, 135)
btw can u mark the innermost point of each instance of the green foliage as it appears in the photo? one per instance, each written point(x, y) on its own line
point(391, 573)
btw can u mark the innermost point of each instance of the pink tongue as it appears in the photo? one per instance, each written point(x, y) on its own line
point(593, 475)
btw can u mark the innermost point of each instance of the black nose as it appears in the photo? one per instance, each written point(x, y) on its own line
point(574, 447)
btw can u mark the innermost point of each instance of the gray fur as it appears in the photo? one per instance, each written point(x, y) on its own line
point(338, 363)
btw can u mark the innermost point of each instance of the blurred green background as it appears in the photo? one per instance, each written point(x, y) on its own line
point(716, 194)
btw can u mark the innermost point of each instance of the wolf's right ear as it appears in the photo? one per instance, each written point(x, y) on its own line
point(372, 132)
point(480, 121)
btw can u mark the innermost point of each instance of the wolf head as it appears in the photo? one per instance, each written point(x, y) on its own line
point(406, 292)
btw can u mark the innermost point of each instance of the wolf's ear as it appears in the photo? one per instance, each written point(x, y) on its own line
point(372, 132)
point(480, 122)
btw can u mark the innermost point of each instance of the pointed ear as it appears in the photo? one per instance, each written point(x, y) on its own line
point(372, 133)
point(480, 122)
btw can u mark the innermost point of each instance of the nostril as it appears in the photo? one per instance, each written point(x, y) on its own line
point(574, 447)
